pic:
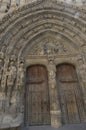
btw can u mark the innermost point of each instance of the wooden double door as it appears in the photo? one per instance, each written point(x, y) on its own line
point(37, 96)
point(70, 95)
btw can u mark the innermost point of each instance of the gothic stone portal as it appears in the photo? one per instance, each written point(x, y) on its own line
point(71, 97)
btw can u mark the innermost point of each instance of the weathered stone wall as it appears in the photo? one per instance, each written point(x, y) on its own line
point(10, 5)
point(43, 32)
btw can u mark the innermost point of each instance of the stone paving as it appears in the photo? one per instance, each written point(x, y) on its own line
point(65, 127)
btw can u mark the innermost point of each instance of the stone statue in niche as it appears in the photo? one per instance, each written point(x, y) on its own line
point(2, 52)
point(21, 74)
point(82, 69)
point(51, 60)
point(11, 78)
point(52, 71)
point(13, 57)
point(1, 69)
point(52, 74)
point(11, 74)
point(52, 77)
point(2, 56)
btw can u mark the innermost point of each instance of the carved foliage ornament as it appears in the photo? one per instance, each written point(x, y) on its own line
point(49, 48)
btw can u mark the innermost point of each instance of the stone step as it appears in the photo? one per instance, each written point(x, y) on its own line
point(65, 127)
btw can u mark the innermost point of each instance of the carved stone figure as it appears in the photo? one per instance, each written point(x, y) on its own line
point(2, 52)
point(13, 57)
point(2, 57)
point(11, 80)
point(1, 69)
point(21, 74)
point(50, 48)
point(11, 74)
point(82, 69)
point(52, 74)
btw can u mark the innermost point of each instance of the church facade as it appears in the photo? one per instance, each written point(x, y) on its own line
point(43, 65)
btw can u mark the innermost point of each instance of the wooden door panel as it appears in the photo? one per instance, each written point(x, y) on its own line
point(71, 97)
point(71, 107)
point(38, 96)
point(66, 73)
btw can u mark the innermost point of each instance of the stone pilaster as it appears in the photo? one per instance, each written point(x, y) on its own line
point(54, 102)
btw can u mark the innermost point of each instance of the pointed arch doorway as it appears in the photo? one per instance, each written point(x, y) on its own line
point(70, 95)
point(37, 96)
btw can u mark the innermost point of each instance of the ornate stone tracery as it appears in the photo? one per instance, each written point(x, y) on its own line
point(50, 48)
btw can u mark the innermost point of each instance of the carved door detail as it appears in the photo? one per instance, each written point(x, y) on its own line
point(37, 96)
point(70, 95)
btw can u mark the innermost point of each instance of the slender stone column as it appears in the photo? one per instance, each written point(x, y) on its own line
point(54, 102)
